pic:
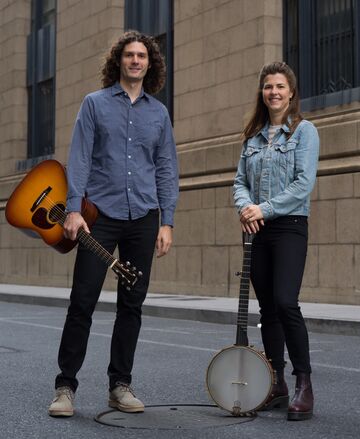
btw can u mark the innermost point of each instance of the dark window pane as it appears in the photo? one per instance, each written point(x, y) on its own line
point(40, 79)
point(46, 119)
point(321, 44)
point(155, 18)
point(334, 44)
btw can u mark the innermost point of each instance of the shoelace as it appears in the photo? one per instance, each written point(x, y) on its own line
point(125, 388)
point(65, 391)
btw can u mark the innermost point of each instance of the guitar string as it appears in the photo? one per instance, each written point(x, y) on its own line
point(86, 238)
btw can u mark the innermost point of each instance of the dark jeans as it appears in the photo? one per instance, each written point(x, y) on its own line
point(136, 241)
point(277, 267)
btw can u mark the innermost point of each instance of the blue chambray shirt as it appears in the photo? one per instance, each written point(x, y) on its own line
point(123, 156)
point(280, 176)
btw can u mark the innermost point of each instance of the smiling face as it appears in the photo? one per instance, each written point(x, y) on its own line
point(276, 96)
point(134, 62)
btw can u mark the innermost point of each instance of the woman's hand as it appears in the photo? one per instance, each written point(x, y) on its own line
point(251, 218)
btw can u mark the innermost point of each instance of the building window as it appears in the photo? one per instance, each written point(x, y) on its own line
point(41, 81)
point(322, 45)
point(155, 18)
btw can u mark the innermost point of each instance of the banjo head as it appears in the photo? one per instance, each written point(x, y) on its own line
point(239, 379)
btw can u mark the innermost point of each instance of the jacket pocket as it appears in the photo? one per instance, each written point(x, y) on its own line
point(286, 155)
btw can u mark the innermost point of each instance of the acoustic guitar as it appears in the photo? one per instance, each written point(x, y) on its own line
point(37, 207)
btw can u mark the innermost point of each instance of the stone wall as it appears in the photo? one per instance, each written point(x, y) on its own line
point(220, 46)
point(15, 26)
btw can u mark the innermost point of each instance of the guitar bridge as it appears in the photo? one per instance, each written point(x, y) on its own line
point(40, 198)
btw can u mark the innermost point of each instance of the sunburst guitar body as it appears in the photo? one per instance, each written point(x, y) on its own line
point(36, 204)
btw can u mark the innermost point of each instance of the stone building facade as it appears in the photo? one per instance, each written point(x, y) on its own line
point(219, 48)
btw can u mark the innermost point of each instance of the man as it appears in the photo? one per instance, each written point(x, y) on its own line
point(123, 157)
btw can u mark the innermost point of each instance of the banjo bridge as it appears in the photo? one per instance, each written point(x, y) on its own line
point(240, 383)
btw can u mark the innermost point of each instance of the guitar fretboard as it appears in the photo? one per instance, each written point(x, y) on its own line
point(243, 309)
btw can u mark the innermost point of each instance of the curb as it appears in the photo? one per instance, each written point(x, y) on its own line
point(321, 325)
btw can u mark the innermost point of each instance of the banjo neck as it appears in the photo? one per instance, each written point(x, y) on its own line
point(243, 309)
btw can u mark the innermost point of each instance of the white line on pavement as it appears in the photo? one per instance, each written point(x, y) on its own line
point(328, 366)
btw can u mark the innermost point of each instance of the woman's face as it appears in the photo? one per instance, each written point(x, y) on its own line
point(276, 94)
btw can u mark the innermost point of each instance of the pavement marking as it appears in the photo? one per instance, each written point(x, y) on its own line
point(331, 366)
point(176, 331)
point(174, 345)
point(38, 325)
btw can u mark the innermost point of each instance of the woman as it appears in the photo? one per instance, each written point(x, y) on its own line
point(276, 174)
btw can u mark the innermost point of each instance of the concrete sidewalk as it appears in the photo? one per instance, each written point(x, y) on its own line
point(335, 319)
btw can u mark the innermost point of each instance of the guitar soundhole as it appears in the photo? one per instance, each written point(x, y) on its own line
point(40, 219)
point(56, 213)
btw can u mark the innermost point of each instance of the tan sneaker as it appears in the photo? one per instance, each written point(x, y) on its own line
point(123, 399)
point(62, 404)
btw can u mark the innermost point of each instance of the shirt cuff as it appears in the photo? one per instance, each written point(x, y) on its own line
point(73, 204)
point(167, 218)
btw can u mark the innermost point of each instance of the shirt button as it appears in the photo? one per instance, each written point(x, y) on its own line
point(129, 189)
point(129, 173)
point(129, 156)
point(131, 122)
point(129, 139)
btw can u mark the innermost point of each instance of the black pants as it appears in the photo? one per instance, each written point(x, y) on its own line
point(277, 267)
point(136, 241)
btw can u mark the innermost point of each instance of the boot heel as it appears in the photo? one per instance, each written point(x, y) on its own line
point(299, 416)
point(281, 402)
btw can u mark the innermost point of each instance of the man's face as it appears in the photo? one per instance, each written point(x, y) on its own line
point(134, 62)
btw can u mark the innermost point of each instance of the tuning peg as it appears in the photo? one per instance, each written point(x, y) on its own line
point(133, 268)
point(127, 263)
point(128, 288)
point(140, 273)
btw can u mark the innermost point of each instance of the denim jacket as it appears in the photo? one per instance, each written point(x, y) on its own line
point(280, 176)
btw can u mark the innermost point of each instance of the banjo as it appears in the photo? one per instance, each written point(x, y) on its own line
point(239, 378)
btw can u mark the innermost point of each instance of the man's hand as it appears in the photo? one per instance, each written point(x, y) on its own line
point(164, 241)
point(74, 221)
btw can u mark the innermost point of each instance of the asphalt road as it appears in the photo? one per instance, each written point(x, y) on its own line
point(170, 367)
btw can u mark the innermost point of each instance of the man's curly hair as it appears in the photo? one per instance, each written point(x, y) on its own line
point(154, 79)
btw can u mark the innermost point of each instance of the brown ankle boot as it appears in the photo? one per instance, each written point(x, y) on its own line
point(301, 406)
point(279, 396)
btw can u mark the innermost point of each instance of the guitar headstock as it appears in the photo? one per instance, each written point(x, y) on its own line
point(128, 274)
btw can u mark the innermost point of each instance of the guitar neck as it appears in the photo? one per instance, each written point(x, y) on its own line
point(128, 273)
point(243, 310)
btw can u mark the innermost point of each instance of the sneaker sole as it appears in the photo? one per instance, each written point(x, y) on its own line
point(126, 409)
point(60, 414)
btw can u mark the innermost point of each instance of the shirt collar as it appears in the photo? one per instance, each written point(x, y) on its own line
point(116, 89)
point(265, 129)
